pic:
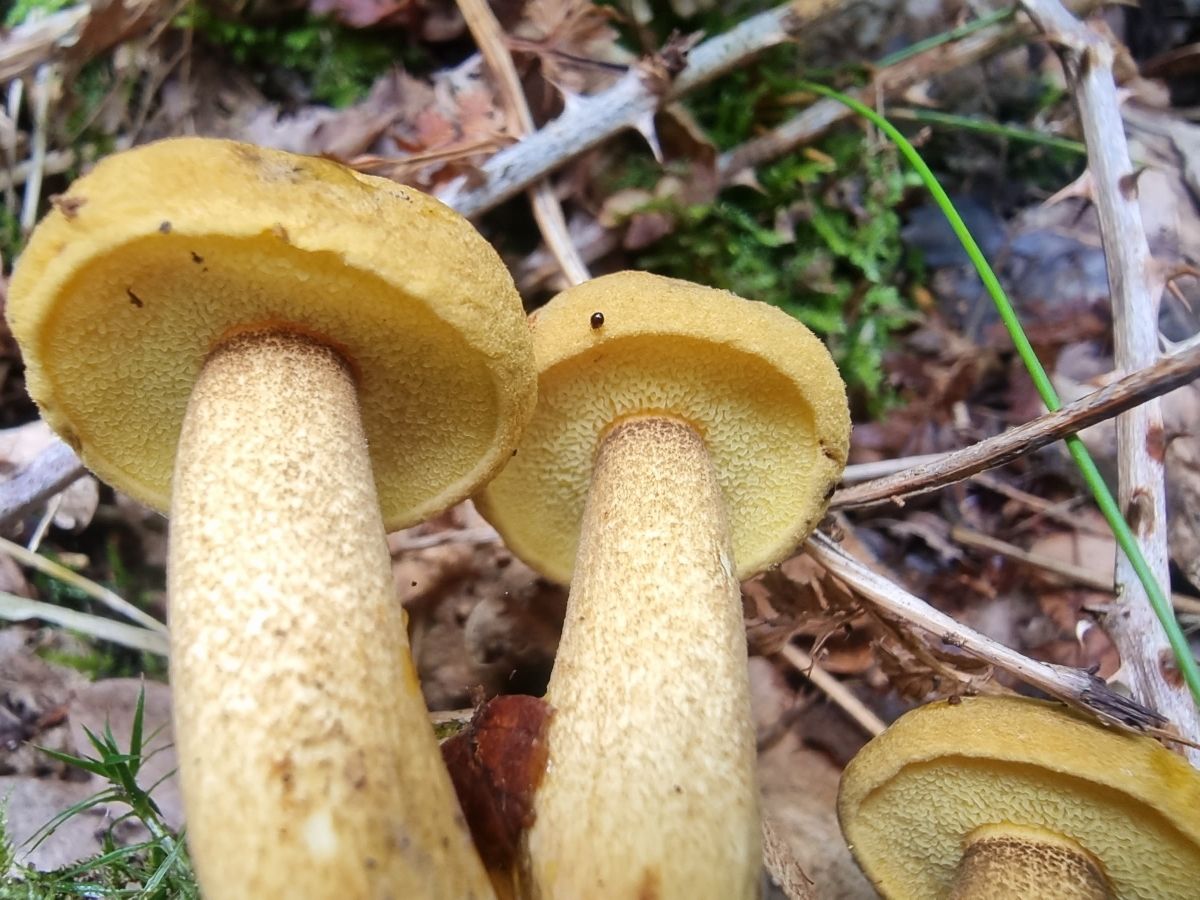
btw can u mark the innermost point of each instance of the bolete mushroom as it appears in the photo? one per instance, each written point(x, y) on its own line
point(684, 438)
point(1000, 798)
point(290, 356)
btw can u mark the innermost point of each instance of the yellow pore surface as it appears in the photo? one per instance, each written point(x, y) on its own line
point(913, 795)
point(757, 385)
point(148, 262)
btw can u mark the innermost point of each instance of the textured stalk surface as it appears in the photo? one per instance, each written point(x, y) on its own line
point(999, 865)
point(308, 764)
point(650, 789)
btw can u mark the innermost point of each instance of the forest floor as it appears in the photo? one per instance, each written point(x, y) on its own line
point(749, 182)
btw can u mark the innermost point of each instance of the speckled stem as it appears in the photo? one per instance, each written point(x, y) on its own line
point(650, 790)
point(1008, 862)
point(308, 764)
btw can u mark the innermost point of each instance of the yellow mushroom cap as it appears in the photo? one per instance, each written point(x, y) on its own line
point(159, 253)
point(912, 796)
point(758, 386)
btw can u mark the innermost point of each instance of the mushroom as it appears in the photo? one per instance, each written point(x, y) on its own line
point(290, 356)
point(684, 438)
point(1006, 797)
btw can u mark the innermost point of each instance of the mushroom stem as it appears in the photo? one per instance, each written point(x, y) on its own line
point(650, 789)
point(1014, 862)
point(307, 760)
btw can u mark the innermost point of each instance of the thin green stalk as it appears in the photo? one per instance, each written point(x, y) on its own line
point(1087, 467)
point(1012, 132)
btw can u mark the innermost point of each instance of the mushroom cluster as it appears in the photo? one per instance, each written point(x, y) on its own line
point(684, 438)
point(290, 356)
point(997, 798)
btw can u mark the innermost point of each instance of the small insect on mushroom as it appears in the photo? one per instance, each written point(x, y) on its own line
point(597, 320)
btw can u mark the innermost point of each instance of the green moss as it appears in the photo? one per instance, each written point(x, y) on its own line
point(11, 239)
point(338, 64)
point(821, 240)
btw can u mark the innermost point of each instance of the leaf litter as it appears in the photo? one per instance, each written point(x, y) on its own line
point(482, 624)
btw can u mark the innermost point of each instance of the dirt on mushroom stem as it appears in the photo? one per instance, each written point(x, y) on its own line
point(654, 598)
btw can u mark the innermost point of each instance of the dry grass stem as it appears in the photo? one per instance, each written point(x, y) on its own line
point(22, 609)
point(1071, 573)
point(97, 592)
point(833, 689)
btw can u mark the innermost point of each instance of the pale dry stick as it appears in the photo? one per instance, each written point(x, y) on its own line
point(592, 240)
point(42, 88)
point(56, 163)
point(53, 470)
point(889, 81)
point(547, 211)
point(43, 525)
point(629, 103)
point(1057, 511)
point(12, 108)
point(823, 114)
point(857, 473)
point(31, 44)
point(834, 690)
point(1136, 284)
point(1161, 377)
point(1067, 571)
point(1074, 687)
point(22, 609)
point(111, 599)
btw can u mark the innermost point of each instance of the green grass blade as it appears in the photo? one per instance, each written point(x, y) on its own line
point(996, 129)
point(135, 736)
point(1087, 467)
point(36, 839)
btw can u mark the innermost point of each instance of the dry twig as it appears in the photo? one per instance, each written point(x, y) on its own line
point(594, 240)
point(1076, 574)
point(1074, 687)
point(1161, 377)
point(630, 103)
point(547, 211)
point(33, 43)
point(833, 689)
point(1136, 285)
point(55, 469)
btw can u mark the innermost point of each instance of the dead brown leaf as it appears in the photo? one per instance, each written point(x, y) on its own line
point(574, 43)
point(496, 765)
